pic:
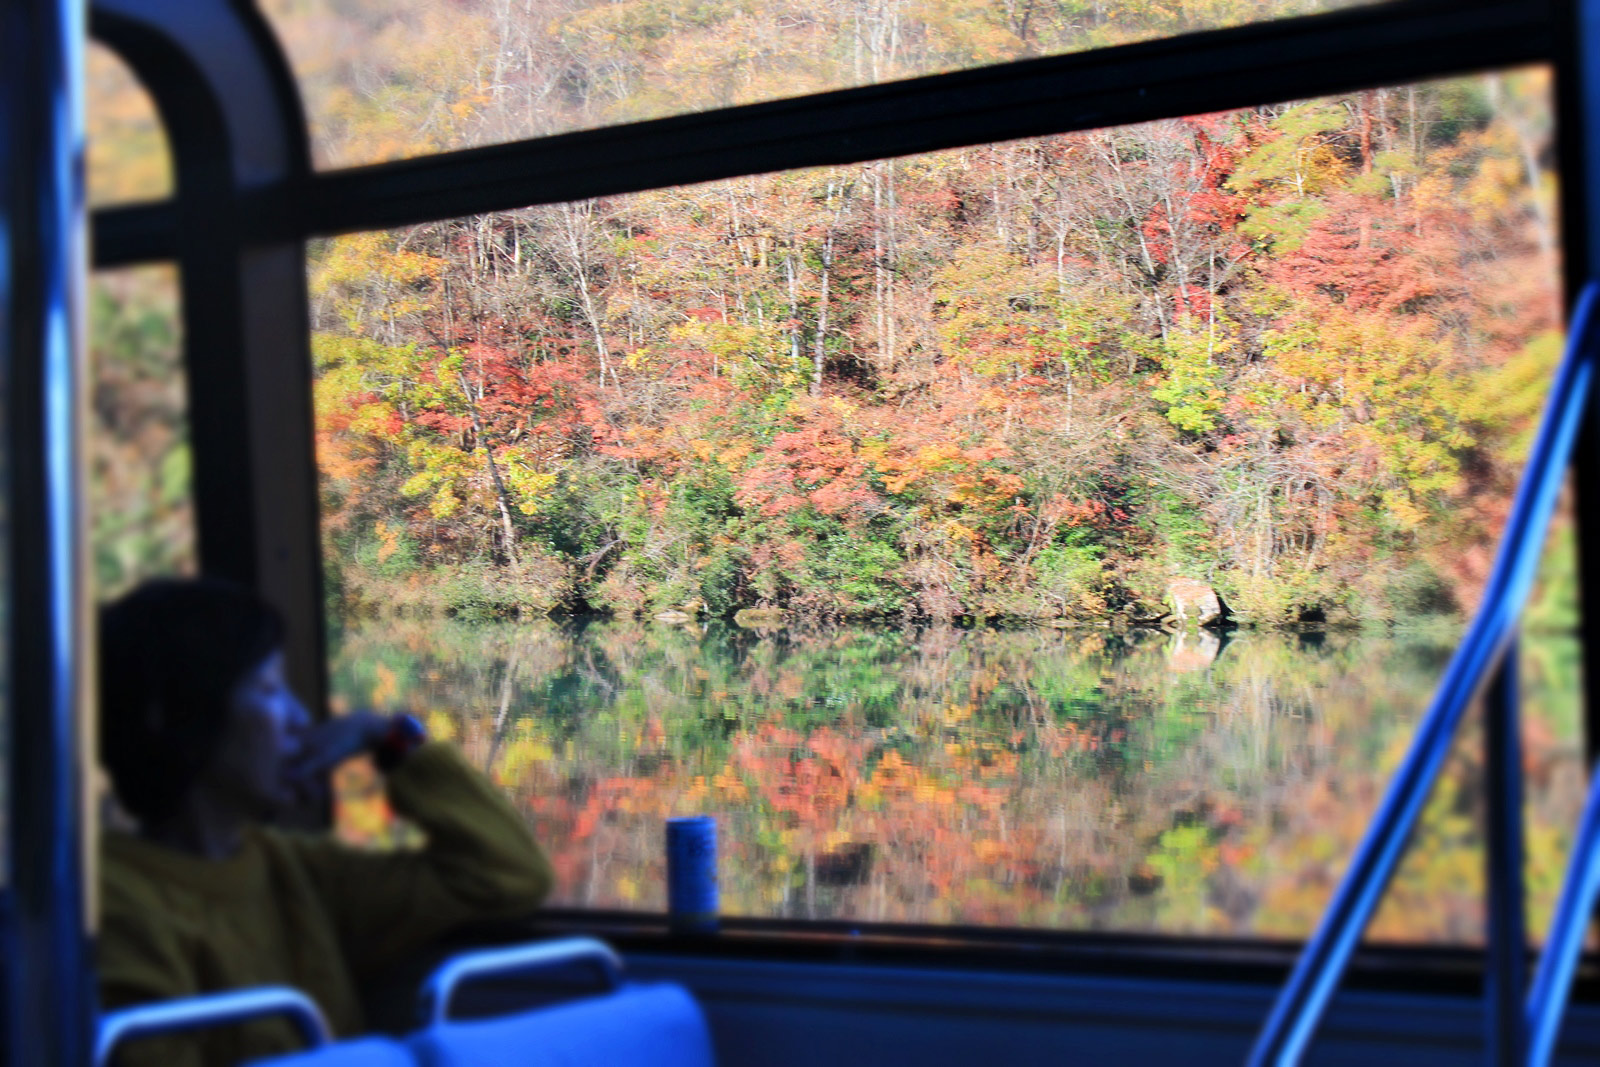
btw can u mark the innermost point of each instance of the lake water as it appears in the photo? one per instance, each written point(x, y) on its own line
point(1073, 779)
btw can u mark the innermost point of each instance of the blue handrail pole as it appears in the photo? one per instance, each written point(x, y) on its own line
point(1505, 978)
point(1552, 980)
point(1316, 975)
point(46, 986)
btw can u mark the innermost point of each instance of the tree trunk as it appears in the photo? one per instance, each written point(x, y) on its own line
point(794, 307)
point(501, 496)
point(822, 316)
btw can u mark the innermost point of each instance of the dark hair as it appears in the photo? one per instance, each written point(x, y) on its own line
point(171, 653)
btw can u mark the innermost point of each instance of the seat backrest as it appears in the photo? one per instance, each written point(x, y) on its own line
point(639, 1026)
point(207, 1010)
point(362, 1052)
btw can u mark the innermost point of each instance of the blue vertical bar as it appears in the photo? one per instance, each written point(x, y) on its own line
point(47, 1005)
point(1563, 944)
point(1506, 960)
point(1305, 996)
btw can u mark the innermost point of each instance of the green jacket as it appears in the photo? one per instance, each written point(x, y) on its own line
point(306, 911)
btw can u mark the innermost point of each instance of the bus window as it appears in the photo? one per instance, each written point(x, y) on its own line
point(861, 507)
point(389, 81)
point(128, 155)
point(141, 509)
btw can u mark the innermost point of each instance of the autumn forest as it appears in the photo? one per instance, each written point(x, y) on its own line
point(1289, 351)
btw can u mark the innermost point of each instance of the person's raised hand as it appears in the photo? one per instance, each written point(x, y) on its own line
point(337, 739)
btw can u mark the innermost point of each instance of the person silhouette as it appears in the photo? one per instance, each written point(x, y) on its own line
point(205, 743)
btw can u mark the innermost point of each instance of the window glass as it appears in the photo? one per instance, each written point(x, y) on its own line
point(141, 509)
point(853, 506)
point(127, 146)
point(387, 80)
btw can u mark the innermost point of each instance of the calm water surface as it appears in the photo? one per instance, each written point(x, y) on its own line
point(1073, 779)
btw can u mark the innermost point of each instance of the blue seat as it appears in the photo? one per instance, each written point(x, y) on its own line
point(656, 1025)
point(225, 1009)
point(360, 1052)
point(640, 1026)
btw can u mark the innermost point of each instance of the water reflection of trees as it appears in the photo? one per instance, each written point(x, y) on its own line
point(1079, 779)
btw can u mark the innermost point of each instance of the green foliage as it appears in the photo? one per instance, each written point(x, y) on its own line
point(391, 553)
point(1072, 577)
point(472, 594)
point(1191, 387)
point(1287, 172)
point(140, 506)
point(1553, 606)
point(1181, 535)
point(860, 573)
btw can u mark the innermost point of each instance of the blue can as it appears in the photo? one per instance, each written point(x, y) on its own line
point(692, 874)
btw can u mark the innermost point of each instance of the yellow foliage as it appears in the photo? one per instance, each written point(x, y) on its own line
point(388, 540)
point(384, 689)
point(441, 725)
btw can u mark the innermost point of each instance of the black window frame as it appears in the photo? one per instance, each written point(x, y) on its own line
point(247, 200)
